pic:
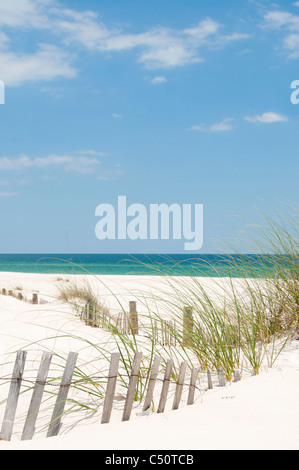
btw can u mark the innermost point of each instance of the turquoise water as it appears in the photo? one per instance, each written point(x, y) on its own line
point(114, 264)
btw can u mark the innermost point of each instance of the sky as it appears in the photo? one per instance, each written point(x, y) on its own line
point(172, 102)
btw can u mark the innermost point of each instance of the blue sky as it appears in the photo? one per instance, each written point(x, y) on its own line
point(162, 101)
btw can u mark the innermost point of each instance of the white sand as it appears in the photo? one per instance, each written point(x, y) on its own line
point(259, 412)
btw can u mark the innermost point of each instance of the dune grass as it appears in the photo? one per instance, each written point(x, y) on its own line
point(237, 324)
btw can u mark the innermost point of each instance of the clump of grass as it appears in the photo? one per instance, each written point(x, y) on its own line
point(18, 287)
point(78, 295)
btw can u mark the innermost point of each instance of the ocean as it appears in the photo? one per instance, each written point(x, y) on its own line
point(206, 265)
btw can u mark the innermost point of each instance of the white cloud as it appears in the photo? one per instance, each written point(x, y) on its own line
point(80, 27)
point(167, 48)
point(266, 118)
point(223, 126)
point(66, 162)
point(289, 24)
point(291, 43)
point(296, 4)
point(157, 48)
point(158, 80)
point(48, 63)
point(116, 116)
point(24, 13)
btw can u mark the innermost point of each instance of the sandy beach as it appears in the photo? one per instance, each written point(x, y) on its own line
point(259, 412)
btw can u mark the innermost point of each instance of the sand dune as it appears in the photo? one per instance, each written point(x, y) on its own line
point(260, 412)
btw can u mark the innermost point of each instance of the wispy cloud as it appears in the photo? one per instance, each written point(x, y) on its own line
point(164, 48)
point(87, 164)
point(116, 116)
point(223, 126)
point(48, 63)
point(156, 48)
point(65, 162)
point(24, 13)
point(288, 23)
point(267, 118)
point(158, 80)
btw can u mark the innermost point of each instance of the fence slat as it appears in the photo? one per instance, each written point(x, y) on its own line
point(36, 398)
point(210, 383)
point(151, 384)
point(132, 386)
point(165, 387)
point(62, 395)
point(13, 396)
point(179, 386)
point(191, 394)
point(110, 391)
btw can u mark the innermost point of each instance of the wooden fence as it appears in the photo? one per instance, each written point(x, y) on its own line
point(66, 382)
point(129, 323)
point(125, 323)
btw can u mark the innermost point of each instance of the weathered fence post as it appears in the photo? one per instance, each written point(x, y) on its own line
point(237, 376)
point(110, 390)
point(192, 385)
point(165, 386)
point(179, 386)
point(84, 314)
point(90, 315)
point(210, 383)
point(96, 318)
point(13, 396)
point(37, 394)
point(221, 378)
point(132, 386)
point(151, 384)
point(188, 326)
point(133, 318)
point(55, 423)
